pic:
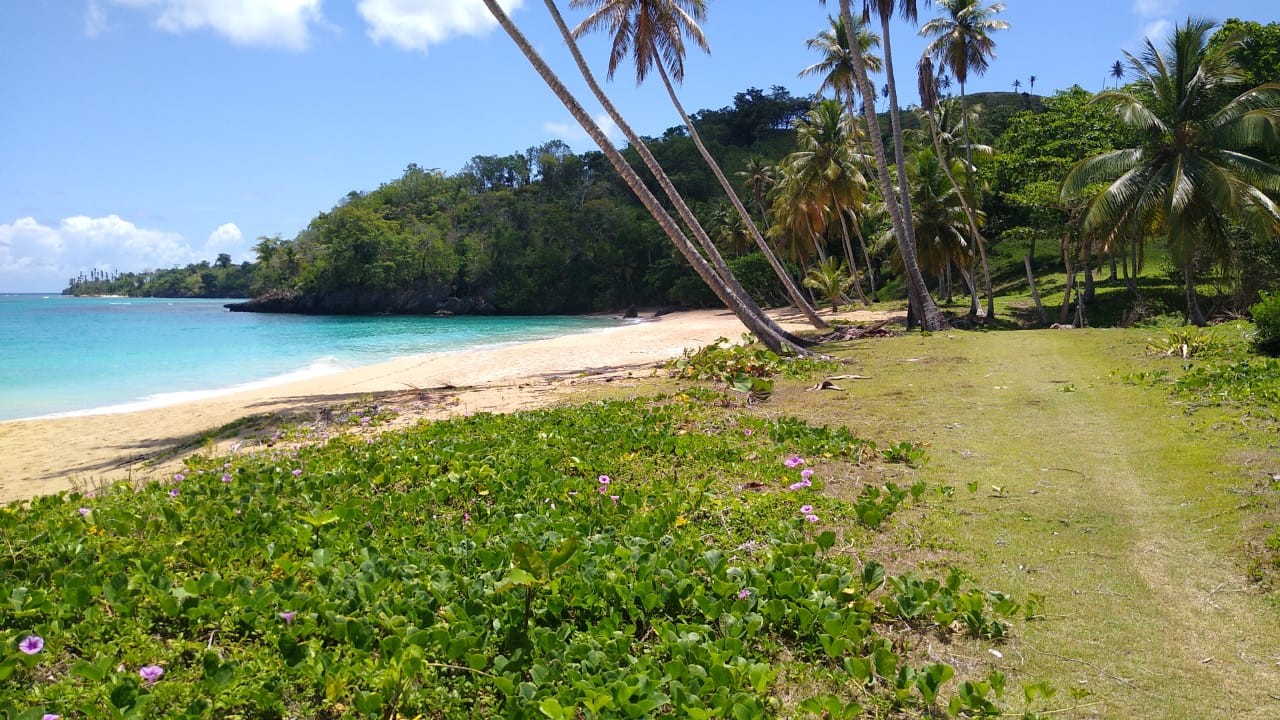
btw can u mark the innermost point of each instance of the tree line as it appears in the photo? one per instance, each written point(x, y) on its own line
point(220, 279)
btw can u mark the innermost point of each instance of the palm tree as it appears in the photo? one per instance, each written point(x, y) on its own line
point(830, 278)
point(758, 176)
point(822, 177)
point(1202, 158)
point(962, 44)
point(836, 66)
point(923, 307)
point(931, 111)
point(1017, 85)
point(1117, 72)
point(1032, 80)
point(751, 316)
point(653, 32)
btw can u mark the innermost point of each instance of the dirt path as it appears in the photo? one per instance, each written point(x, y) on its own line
point(1128, 515)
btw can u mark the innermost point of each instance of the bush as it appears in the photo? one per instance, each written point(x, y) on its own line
point(1266, 317)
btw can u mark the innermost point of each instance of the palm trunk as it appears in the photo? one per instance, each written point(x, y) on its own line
point(792, 291)
point(1035, 294)
point(853, 264)
point(754, 319)
point(1065, 313)
point(968, 212)
point(1089, 288)
point(1194, 316)
point(982, 243)
point(923, 308)
point(682, 208)
point(866, 258)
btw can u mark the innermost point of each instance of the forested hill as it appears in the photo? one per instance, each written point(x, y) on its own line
point(544, 230)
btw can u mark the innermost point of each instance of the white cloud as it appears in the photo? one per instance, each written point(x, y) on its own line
point(572, 132)
point(35, 257)
point(271, 23)
point(1154, 8)
point(95, 20)
point(418, 24)
point(1158, 31)
point(226, 239)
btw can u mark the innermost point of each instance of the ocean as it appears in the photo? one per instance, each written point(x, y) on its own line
point(71, 356)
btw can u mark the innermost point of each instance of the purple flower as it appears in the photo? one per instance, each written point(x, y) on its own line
point(226, 477)
point(801, 484)
point(31, 644)
point(150, 673)
point(746, 432)
point(50, 716)
point(794, 461)
point(811, 518)
point(226, 466)
point(179, 477)
point(806, 509)
point(466, 517)
point(297, 472)
point(614, 498)
point(287, 616)
point(173, 492)
point(84, 512)
point(744, 594)
point(604, 489)
point(806, 473)
point(604, 480)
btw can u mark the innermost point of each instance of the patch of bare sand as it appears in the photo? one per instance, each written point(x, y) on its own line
point(39, 457)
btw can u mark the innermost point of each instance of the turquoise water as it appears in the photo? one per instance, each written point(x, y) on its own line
point(72, 355)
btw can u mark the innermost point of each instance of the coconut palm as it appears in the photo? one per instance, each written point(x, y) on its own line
point(942, 223)
point(653, 33)
point(961, 43)
point(836, 66)
point(932, 110)
point(1117, 72)
point(751, 316)
point(830, 278)
point(1202, 156)
point(1017, 85)
point(1032, 80)
point(758, 175)
point(923, 308)
point(822, 176)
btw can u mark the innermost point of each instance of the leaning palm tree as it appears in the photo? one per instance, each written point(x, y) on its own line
point(923, 307)
point(931, 111)
point(961, 43)
point(1202, 156)
point(737, 301)
point(653, 33)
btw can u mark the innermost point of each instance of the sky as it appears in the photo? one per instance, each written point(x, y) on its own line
point(137, 134)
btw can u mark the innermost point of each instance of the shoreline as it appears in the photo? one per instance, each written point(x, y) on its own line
point(44, 456)
point(49, 455)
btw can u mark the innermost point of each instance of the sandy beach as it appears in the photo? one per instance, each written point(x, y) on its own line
point(39, 457)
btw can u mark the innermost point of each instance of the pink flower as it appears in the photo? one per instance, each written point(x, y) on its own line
point(150, 673)
point(614, 498)
point(604, 480)
point(746, 432)
point(744, 594)
point(179, 477)
point(31, 644)
point(84, 512)
point(297, 472)
point(287, 616)
point(794, 461)
point(802, 484)
point(226, 477)
point(50, 716)
point(806, 473)
point(811, 518)
point(806, 509)
point(173, 492)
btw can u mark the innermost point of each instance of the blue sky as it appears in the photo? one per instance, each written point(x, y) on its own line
point(147, 133)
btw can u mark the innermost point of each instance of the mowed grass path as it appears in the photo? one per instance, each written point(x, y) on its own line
point(1130, 516)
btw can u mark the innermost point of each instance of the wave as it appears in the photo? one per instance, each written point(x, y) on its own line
point(320, 367)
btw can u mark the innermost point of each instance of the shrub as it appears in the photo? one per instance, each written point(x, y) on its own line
point(1266, 317)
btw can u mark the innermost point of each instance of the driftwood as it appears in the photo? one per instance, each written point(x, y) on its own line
point(854, 332)
point(829, 384)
